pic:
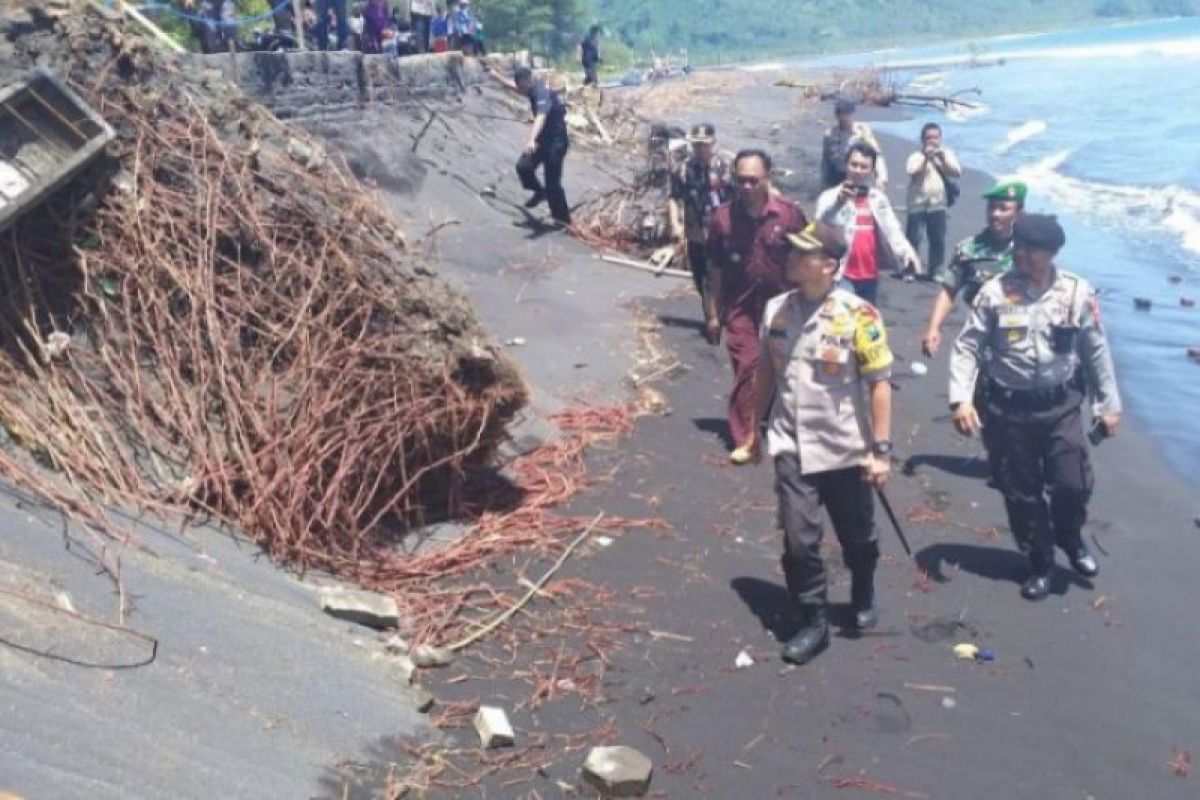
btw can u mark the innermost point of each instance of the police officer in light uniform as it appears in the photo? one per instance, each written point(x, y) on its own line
point(823, 374)
point(1035, 334)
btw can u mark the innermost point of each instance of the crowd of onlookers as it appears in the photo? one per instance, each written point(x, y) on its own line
point(369, 26)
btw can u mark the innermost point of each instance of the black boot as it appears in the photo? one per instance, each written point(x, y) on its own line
point(1037, 585)
point(862, 599)
point(812, 638)
point(1083, 561)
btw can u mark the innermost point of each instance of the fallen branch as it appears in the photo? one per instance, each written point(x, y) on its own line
point(504, 615)
point(643, 266)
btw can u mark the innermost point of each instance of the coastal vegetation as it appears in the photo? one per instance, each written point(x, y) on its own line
point(726, 30)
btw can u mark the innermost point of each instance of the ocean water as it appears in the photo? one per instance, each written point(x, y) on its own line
point(1104, 125)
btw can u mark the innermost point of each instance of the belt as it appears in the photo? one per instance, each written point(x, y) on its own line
point(1027, 399)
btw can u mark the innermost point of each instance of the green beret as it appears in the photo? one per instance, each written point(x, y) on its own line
point(1007, 190)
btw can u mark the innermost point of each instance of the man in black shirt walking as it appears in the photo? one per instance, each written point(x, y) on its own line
point(589, 55)
point(547, 145)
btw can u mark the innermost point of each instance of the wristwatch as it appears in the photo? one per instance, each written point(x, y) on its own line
point(882, 447)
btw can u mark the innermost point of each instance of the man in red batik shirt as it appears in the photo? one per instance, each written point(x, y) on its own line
point(747, 252)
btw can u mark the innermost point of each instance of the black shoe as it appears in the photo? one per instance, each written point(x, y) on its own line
point(535, 200)
point(1036, 586)
point(862, 601)
point(812, 638)
point(1084, 562)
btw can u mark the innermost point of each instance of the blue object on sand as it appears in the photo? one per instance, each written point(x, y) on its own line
point(986, 654)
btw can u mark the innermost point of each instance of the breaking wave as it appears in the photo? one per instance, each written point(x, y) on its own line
point(1021, 133)
point(1174, 209)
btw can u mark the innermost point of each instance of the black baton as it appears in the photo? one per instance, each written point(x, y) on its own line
point(887, 507)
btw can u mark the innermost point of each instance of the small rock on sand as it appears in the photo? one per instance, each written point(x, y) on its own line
point(405, 669)
point(426, 655)
point(423, 699)
point(364, 608)
point(494, 730)
point(618, 771)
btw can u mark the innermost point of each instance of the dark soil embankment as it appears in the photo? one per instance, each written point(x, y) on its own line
point(250, 338)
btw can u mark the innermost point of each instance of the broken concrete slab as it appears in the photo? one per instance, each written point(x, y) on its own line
point(491, 723)
point(618, 771)
point(363, 608)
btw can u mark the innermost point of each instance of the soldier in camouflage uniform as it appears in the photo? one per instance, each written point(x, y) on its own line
point(977, 259)
point(698, 187)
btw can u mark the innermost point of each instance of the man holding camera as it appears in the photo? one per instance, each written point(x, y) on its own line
point(931, 192)
point(1034, 334)
point(864, 215)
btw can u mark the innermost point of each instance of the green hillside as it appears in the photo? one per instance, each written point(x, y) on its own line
point(715, 30)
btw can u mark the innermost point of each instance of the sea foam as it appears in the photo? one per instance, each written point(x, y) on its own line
point(1022, 133)
point(1175, 209)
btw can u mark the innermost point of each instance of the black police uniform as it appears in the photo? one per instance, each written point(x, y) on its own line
point(550, 153)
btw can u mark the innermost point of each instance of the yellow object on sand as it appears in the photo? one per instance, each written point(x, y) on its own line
point(741, 455)
point(966, 651)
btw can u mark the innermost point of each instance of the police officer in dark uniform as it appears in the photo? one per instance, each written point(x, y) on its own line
point(1034, 334)
point(698, 187)
point(547, 146)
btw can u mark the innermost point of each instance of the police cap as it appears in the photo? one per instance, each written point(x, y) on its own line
point(817, 237)
point(704, 133)
point(1039, 230)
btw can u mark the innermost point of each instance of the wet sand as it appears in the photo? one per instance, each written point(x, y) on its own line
point(1091, 692)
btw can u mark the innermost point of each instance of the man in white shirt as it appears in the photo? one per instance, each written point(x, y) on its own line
point(869, 225)
point(931, 192)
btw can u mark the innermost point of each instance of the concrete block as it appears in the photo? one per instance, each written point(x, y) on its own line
point(494, 730)
point(618, 771)
point(363, 608)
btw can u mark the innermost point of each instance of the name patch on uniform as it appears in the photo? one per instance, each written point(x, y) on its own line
point(1013, 320)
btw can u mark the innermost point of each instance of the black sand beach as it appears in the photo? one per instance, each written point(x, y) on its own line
point(1091, 693)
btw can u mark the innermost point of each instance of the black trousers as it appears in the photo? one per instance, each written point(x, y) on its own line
point(851, 506)
point(934, 224)
point(420, 31)
point(1040, 464)
point(550, 157)
point(698, 261)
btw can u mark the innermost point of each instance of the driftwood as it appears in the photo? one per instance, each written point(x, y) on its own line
point(644, 266)
point(944, 102)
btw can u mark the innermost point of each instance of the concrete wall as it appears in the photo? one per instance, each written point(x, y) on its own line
point(323, 84)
